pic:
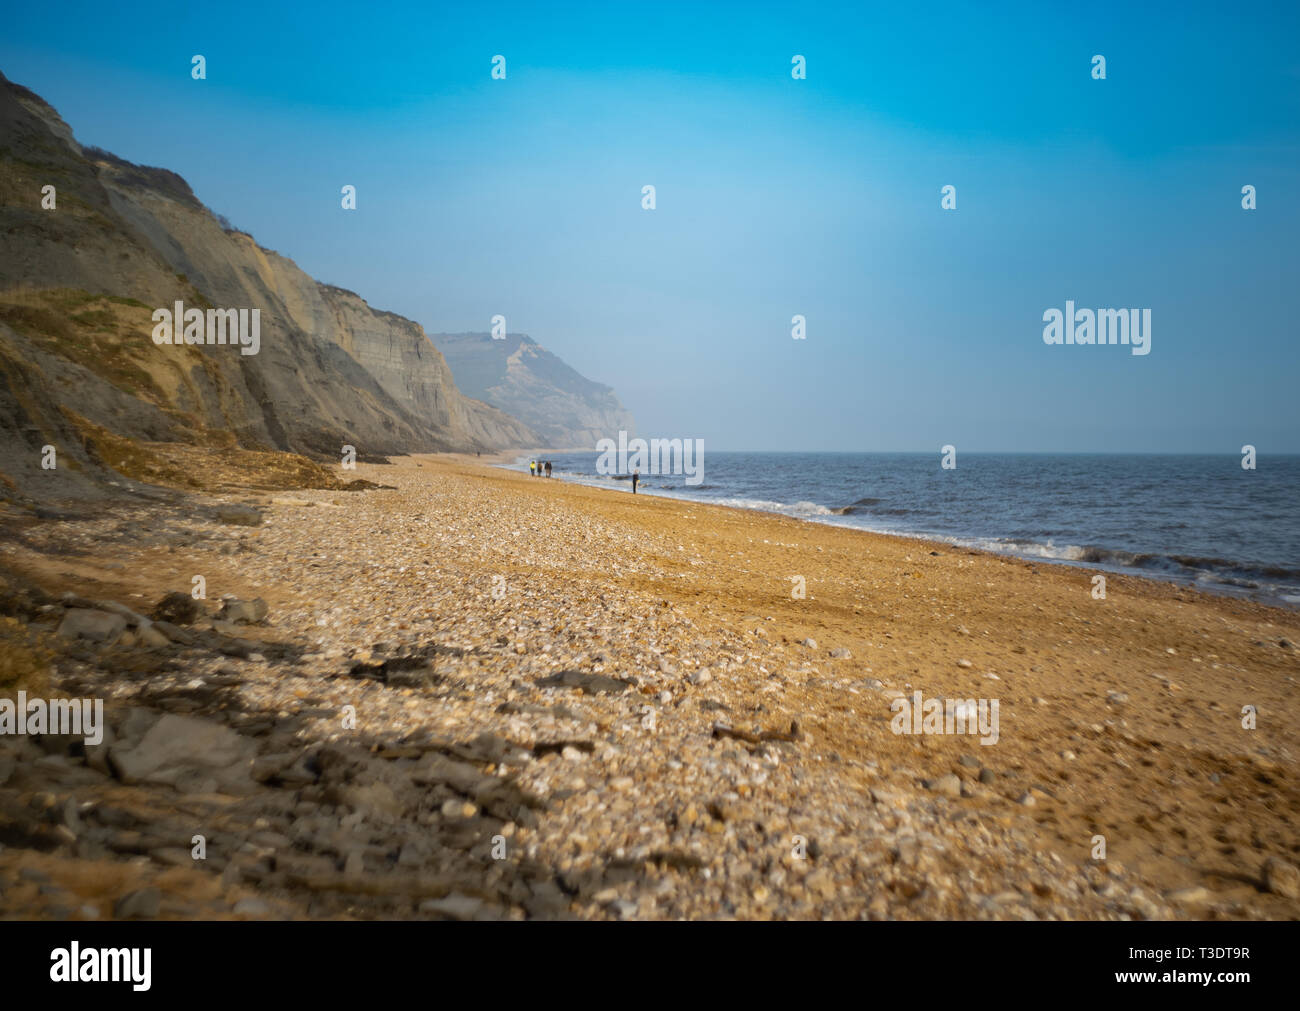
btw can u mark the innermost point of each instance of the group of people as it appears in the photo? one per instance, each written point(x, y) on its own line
point(539, 468)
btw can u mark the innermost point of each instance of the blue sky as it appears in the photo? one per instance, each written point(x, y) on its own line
point(819, 197)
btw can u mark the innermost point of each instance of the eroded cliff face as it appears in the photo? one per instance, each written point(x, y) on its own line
point(330, 370)
point(567, 410)
point(400, 355)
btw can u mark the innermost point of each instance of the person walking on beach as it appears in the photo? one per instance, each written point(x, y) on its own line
point(548, 468)
point(532, 468)
point(636, 476)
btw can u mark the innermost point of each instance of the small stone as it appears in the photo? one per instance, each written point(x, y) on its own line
point(1281, 878)
point(722, 810)
point(458, 809)
point(178, 609)
point(244, 612)
point(239, 515)
point(964, 663)
point(841, 654)
point(907, 850)
point(949, 785)
point(455, 906)
point(592, 684)
point(810, 643)
point(252, 906)
point(138, 905)
point(1027, 800)
point(1143, 906)
point(701, 677)
point(1116, 698)
point(822, 884)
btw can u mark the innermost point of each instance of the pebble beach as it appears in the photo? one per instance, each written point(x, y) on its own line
point(473, 694)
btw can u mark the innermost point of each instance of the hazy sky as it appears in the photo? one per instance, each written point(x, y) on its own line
point(775, 197)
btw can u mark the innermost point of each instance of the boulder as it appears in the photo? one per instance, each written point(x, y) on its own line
point(182, 751)
point(96, 626)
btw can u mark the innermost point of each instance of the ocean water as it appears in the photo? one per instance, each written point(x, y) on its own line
point(1201, 520)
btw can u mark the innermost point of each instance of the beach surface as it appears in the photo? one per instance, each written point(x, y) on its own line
point(572, 701)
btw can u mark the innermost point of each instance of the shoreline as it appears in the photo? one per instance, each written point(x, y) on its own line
point(507, 460)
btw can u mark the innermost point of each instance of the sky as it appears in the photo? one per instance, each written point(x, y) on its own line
point(819, 197)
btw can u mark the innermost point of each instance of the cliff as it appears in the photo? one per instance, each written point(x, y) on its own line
point(78, 285)
point(516, 374)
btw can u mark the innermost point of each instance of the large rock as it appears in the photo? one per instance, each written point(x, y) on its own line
point(97, 626)
point(188, 753)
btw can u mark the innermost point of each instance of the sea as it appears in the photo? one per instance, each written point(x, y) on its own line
point(1201, 520)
